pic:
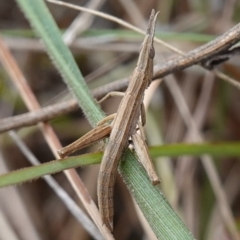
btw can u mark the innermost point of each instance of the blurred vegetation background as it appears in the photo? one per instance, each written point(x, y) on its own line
point(106, 52)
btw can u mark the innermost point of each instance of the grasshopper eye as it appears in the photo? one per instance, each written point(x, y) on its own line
point(152, 52)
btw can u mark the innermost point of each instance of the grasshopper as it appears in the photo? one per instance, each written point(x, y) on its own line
point(123, 127)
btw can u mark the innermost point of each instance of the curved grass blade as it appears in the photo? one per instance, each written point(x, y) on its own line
point(165, 223)
point(41, 20)
point(34, 172)
point(221, 149)
point(173, 150)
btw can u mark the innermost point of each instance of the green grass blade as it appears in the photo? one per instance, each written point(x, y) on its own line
point(125, 35)
point(34, 172)
point(40, 18)
point(173, 150)
point(163, 220)
point(214, 149)
point(165, 223)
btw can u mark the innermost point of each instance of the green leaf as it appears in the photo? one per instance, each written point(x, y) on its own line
point(30, 173)
point(125, 35)
point(173, 150)
point(220, 149)
point(40, 18)
point(165, 223)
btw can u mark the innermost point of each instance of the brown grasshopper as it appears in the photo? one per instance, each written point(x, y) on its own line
point(123, 127)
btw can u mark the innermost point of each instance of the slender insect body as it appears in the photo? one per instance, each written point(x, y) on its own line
point(122, 128)
point(118, 141)
point(124, 125)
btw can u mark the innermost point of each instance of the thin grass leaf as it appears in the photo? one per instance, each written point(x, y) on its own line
point(41, 20)
point(34, 172)
point(173, 150)
point(165, 223)
point(214, 149)
point(125, 35)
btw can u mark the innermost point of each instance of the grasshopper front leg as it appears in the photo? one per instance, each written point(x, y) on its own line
point(95, 135)
point(88, 139)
